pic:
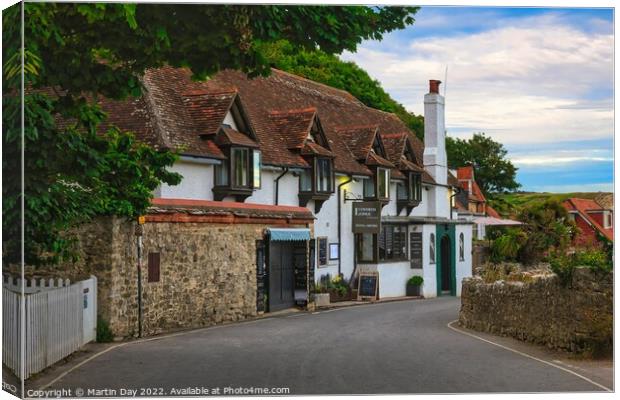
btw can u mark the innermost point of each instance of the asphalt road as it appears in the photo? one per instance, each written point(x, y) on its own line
point(399, 347)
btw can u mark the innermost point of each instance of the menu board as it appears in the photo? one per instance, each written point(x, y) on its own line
point(415, 249)
point(368, 285)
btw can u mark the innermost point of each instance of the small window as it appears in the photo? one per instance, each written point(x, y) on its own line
point(461, 247)
point(369, 188)
point(305, 180)
point(383, 183)
point(240, 167)
point(393, 242)
point(401, 192)
point(153, 266)
point(256, 164)
point(323, 175)
point(415, 187)
point(221, 174)
point(322, 250)
point(432, 249)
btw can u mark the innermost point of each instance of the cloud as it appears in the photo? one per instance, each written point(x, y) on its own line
point(551, 158)
point(539, 79)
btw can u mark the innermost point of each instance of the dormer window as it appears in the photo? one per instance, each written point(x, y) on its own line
point(378, 187)
point(409, 193)
point(317, 183)
point(239, 175)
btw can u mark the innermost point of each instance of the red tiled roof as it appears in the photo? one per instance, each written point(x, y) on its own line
point(492, 213)
point(358, 139)
point(175, 111)
point(208, 110)
point(294, 125)
point(582, 206)
point(311, 148)
point(228, 136)
point(452, 181)
point(465, 175)
point(375, 159)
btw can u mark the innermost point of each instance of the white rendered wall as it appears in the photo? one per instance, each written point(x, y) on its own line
point(463, 268)
point(422, 209)
point(326, 225)
point(196, 184)
point(429, 271)
point(393, 278)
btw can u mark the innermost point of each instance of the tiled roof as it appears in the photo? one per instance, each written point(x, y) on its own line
point(207, 110)
point(452, 180)
point(358, 139)
point(375, 159)
point(228, 136)
point(464, 176)
point(311, 148)
point(492, 213)
point(606, 200)
point(179, 113)
point(294, 125)
point(583, 206)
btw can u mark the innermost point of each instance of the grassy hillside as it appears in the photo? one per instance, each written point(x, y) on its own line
point(510, 204)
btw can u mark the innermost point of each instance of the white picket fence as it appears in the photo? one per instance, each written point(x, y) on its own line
point(59, 320)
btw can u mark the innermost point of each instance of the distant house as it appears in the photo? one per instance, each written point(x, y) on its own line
point(593, 220)
point(471, 205)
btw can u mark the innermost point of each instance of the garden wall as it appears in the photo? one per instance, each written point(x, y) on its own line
point(577, 317)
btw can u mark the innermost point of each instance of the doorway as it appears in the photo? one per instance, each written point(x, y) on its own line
point(445, 257)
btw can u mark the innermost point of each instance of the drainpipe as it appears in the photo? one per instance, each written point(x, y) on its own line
point(284, 172)
point(340, 225)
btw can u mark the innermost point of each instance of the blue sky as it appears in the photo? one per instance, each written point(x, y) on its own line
point(538, 80)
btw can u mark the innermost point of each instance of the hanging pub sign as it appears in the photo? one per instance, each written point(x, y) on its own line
point(367, 217)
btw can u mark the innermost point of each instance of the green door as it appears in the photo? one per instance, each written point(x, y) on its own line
point(445, 244)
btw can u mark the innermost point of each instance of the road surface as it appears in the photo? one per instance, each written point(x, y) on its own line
point(392, 348)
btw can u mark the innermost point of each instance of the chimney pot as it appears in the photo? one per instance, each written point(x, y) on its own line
point(434, 86)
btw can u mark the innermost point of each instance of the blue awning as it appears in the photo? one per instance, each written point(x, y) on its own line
point(285, 235)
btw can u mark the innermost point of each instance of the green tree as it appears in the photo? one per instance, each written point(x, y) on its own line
point(77, 52)
point(329, 69)
point(493, 172)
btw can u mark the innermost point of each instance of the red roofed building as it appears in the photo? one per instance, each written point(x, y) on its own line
point(475, 202)
point(592, 219)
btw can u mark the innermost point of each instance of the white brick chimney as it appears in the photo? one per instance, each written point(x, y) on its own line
point(435, 159)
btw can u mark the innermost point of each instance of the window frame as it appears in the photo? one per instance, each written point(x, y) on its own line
point(359, 237)
point(403, 235)
point(314, 176)
point(233, 167)
point(382, 173)
point(415, 187)
point(461, 246)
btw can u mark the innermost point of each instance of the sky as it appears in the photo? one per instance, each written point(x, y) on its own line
point(538, 80)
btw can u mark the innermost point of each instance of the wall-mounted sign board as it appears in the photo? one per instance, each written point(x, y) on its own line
point(366, 217)
point(368, 286)
point(415, 249)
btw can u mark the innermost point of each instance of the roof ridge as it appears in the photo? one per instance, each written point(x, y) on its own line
point(316, 83)
point(293, 111)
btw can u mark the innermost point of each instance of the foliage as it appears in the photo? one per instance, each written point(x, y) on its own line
point(329, 69)
point(75, 52)
point(493, 172)
point(327, 284)
point(512, 203)
point(506, 246)
point(416, 280)
point(564, 267)
point(104, 334)
point(547, 229)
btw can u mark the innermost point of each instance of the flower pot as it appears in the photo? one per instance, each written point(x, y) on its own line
point(413, 290)
point(321, 299)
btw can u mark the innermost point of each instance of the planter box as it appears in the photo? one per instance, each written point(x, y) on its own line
point(336, 297)
point(413, 290)
point(321, 299)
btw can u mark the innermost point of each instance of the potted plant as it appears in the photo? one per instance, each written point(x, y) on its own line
point(321, 296)
point(413, 285)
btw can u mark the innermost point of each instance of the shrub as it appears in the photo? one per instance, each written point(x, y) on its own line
point(416, 280)
point(596, 259)
point(104, 334)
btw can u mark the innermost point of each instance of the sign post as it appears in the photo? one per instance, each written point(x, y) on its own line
point(366, 217)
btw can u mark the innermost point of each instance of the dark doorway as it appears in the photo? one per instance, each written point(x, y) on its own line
point(446, 281)
point(288, 274)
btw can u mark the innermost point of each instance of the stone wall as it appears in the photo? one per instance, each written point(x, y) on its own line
point(541, 310)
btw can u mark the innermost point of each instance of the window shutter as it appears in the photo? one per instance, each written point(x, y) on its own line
point(153, 267)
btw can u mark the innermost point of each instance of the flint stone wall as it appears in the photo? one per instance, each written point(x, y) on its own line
point(207, 273)
point(576, 318)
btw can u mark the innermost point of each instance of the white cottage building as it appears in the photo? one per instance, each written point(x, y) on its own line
point(287, 141)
